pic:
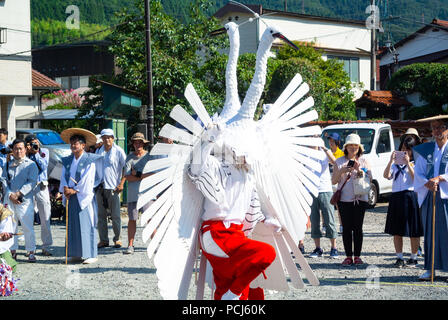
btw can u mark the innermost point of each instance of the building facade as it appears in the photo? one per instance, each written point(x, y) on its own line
point(15, 58)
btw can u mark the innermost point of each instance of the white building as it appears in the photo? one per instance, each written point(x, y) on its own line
point(345, 40)
point(15, 59)
point(429, 44)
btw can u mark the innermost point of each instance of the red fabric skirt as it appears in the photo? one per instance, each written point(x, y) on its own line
point(246, 259)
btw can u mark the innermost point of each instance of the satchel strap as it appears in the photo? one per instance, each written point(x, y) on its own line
point(348, 177)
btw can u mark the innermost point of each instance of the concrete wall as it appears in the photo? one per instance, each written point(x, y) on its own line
point(15, 55)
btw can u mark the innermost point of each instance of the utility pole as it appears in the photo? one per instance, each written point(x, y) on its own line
point(373, 47)
point(286, 5)
point(150, 100)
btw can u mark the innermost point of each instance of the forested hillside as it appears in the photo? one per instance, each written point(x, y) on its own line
point(97, 13)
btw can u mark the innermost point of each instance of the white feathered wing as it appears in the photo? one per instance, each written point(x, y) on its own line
point(173, 220)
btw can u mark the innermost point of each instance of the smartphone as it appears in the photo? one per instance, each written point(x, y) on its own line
point(351, 163)
point(399, 157)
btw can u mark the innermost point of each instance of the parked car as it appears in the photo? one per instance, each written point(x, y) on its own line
point(52, 141)
point(58, 149)
point(378, 144)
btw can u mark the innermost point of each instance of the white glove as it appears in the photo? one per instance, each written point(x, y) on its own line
point(273, 224)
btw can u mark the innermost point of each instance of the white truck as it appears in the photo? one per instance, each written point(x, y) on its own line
point(378, 142)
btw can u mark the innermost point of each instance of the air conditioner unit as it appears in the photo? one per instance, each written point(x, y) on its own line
point(3, 35)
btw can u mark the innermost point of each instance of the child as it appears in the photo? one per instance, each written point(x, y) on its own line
point(7, 227)
point(403, 216)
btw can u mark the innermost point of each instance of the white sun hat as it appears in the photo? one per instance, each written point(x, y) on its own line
point(353, 138)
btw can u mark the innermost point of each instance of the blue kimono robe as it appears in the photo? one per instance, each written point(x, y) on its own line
point(82, 209)
point(432, 162)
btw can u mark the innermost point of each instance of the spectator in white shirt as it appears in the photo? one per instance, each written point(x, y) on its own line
point(108, 192)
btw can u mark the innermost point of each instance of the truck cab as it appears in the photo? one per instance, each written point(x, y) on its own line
point(378, 142)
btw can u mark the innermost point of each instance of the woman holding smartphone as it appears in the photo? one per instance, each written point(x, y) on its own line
point(403, 216)
point(351, 206)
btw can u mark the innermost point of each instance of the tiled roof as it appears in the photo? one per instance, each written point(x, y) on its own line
point(387, 98)
point(41, 81)
point(442, 23)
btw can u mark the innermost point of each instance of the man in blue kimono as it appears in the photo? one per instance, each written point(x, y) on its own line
point(77, 184)
point(431, 176)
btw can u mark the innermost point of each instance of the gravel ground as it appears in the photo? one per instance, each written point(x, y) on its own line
point(117, 276)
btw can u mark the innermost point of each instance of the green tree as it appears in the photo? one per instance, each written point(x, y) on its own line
point(330, 86)
point(178, 51)
point(428, 79)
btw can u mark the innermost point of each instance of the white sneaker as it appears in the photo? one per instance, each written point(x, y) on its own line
point(426, 276)
point(90, 260)
point(229, 295)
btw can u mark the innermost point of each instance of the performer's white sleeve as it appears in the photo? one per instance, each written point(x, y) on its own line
point(420, 180)
point(210, 179)
point(254, 214)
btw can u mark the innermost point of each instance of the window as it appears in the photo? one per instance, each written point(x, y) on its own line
point(49, 137)
point(3, 35)
point(73, 82)
point(351, 66)
point(383, 142)
point(366, 136)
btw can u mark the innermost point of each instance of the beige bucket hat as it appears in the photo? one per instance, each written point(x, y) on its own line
point(139, 136)
point(410, 131)
point(353, 138)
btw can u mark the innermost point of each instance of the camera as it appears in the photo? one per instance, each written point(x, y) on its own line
point(6, 150)
point(35, 146)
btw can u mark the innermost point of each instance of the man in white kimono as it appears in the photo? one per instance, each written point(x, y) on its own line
point(431, 178)
point(77, 183)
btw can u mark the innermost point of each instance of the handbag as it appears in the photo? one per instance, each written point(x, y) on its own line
point(337, 195)
point(361, 184)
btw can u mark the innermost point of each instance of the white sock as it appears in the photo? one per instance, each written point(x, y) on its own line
point(413, 256)
point(400, 255)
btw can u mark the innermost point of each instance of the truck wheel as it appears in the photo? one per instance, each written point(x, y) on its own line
point(373, 195)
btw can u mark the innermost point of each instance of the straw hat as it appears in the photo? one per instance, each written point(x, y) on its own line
point(353, 139)
point(139, 136)
point(439, 117)
point(88, 135)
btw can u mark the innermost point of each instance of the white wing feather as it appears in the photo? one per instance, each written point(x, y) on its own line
point(183, 117)
point(176, 134)
point(287, 170)
point(197, 105)
point(171, 222)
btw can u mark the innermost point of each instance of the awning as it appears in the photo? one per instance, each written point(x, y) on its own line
point(56, 114)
